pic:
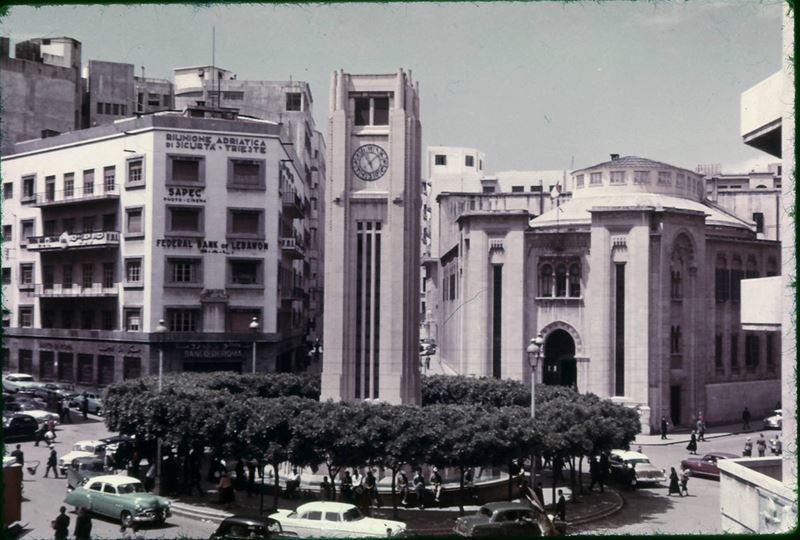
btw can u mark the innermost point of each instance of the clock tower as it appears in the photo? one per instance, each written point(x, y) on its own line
point(372, 205)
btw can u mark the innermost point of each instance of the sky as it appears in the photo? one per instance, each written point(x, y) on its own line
point(534, 85)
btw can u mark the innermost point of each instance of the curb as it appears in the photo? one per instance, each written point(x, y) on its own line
point(205, 514)
point(686, 441)
point(600, 515)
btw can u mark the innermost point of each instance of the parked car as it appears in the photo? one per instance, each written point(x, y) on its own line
point(645, 472)
point(14, 382)
point(500, 519)
point(95, 402)
point(775, 420)
point(43, 417)
point(427, 347)
point(706, 465)
point(115, 442)
point(16, 425)
point(334, 519)
point(82, 469)
point(88, 448)
point(119, 497)
point(249, 527)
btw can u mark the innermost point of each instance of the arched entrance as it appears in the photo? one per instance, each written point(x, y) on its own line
point(559, 359)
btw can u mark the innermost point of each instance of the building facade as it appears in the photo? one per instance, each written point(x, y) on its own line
point(193, 218)
point(373, 206)
point(633, 280)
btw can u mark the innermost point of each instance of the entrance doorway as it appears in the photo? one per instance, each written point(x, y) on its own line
point(675, 404)
point(559, 359)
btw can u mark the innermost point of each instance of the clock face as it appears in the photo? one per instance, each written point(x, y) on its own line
point(370, 162)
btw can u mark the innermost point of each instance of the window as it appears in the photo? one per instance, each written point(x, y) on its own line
point(371, 111)
point(452, 287)
point(641, 177)
point(561, 280)
point(770, 338)
point(676, 284)
point(239, 319)
point(575, 280)
point(579, 181)
point(751, 346)
point(88, 182)
point(135, 173)
point(48, 276)
point(546, 281)
point(722, 280)
point(735, 352)
point(664, 178)
point(109, 178)
point(108, 320)
point(49, 227)
point(133, 271)
point(535, 189)
point(362, 111)
point(109, 222)
point(6, 275)
point(488, 189)
point(246, 174)
point(184, 219)
point(718, 352)
point(380, 111)
point(595, 179)
point(116, 109)
point(184, 271)
point(294, 101)
point(185, 170)
point(26, 231)
point(183, 320)
point(99, 107)
point(231, 95)
point(28, 188)
point(87, 278)
point(7, 233)
point(88, 223)
point(737, 274)
point(66, 276)
point(133, 222)
point(133, 319)
point(675, 345)
point(617, 177)
point(246, 223)
point(517, 189)
point(26, 316)
point(108, 275)
point(69, 185)
point(245, 272)
point(26, 274)
point(440, 159)
point(8, 190)
point(758, 217)
point(469, 161)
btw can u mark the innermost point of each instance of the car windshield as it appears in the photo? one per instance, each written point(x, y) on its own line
point(22, 378)
point(124, 489)
point(637, 461)
point(354, 514)
point(485, 512)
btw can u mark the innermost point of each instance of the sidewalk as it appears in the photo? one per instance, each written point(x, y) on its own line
point(682, 435)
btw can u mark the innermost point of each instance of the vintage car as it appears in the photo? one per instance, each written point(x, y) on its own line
point(14, 382)
point(42, 416)
point(89, 448)
point(22, 426)
point(645, 472)
point(775, 420)
point(500, 519)
point(334, 519)
point(706, 465)
point(95, 402)
point(83, 468)
point(119, 497)
point(249, 527)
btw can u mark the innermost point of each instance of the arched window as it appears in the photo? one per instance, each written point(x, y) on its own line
point(546, 281)
point(752, 268)
point(561, 280)
point(575, 280)
point(722, 281)
point(737, 274)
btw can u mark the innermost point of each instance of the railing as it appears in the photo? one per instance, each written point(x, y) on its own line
point(89, 192)
point(292, 247)
point(58, 290)
point(67, 240)
point(293, 204)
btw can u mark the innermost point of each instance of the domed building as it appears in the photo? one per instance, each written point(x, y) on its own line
point(633, 280)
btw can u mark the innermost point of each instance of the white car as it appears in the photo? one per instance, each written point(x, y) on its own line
point(335, 520)
point(88, 448)
point(644, 471)
point(774, 421)
point(14, 382)
point(42, 417)
point(95, 403)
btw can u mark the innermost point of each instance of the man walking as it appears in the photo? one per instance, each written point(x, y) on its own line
point(83, 525)
point(39, 435)
point(65, 410)
point(85, 406)
point(19, 455)
point(746, 419)
point(561, 506)
point(663, 427)
point(61, 524)
point(52, 463)
point(761, 444)
point(701, 428)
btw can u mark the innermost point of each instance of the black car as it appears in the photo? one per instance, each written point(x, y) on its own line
point(249, 527)
point(83, 468)
point(19, 426)
point(501, 519)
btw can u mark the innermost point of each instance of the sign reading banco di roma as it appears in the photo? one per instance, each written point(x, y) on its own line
point(226, 143)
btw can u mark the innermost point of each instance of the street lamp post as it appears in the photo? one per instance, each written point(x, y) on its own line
point(160, 330)
point(534, 351)
point(254, 328)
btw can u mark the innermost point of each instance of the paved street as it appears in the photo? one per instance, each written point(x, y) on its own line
point(652, 511)
point(43, 496)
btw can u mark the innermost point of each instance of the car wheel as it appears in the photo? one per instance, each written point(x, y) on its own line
point(126, 518)
point(98, 411)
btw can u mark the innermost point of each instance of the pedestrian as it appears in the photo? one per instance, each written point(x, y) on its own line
point(52, 462)
point(745, 419)
point(371, 489)
point(603, 468)
point(674, 485)
point(61, 524)
point(779, 444)
point(65, 409)
point(522, 482)
point(150, 477)
point(18, 455)
point(748, 447)
point(761, 444)
point(402, 485)
point(469, 482)
point(701, 428)
point(240, 482)
point(135, 464)
point(225, 487)
point(83, 525)
point(50, 435)
point(594, 470)
point(419, 489)
point(358, 488)
point(630, 477)
point(39, 435)
point(128, 533)
point(436, 483)
point(561, 506)
point(346, 485)
point(539, 492)
point(664, 427)
point(194, 480)
point(251, 477)
point(325, 490)
point(684, 482)
point(692, 446)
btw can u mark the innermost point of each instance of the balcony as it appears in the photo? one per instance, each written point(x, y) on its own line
point(75, 241)
point(78, 194)
point(762, 110)
point(292, 248)
point(293, 204)
point(58, 290)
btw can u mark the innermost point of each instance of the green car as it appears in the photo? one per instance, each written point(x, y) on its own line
point(120, 497)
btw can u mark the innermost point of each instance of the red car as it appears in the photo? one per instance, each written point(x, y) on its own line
point(706, 465)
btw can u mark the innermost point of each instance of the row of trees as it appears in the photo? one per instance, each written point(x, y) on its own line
point(271, 417)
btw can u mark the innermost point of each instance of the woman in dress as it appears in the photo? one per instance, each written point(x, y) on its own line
point(674, 485)
point(692, 446)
